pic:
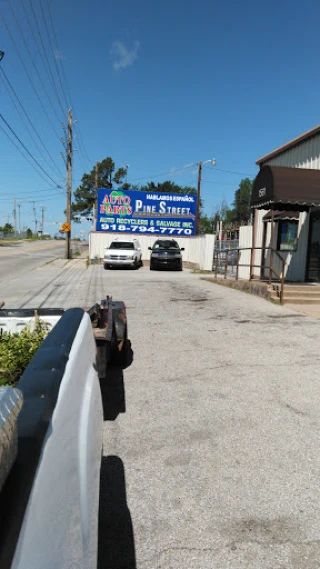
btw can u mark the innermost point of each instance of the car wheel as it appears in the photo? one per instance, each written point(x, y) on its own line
point(105, 266)
point(151, 267)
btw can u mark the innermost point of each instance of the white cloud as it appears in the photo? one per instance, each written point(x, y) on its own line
point(58, 55)
point(124, 57)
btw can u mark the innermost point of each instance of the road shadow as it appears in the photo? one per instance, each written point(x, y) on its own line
point(116, 548)
point(112, 387)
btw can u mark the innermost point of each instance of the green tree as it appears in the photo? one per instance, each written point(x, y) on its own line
point(241, 204)
point(29, 233)
point(167, 187)
point(85, 194)
point(7, 228)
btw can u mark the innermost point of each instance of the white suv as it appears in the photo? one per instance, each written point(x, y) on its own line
point(123, 253)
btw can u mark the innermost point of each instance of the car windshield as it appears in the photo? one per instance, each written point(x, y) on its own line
point(166, 244)
point(121, 245)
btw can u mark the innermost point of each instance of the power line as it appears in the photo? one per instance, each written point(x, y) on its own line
point(27, 192)
point(163, 174)
point(81, 143)
point(232, 172)
point(28, 75)
point(219, 183)
point(46, 57)
point(32, 61)
point(3, 78)
point(23, 200)
point(53, 54)
point(26, 150)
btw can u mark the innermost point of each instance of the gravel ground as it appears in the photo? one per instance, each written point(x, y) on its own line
point(211, 439)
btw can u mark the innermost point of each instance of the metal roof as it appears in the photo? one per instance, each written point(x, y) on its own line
point(281, 215)
point(279, 188)
point(290, 144)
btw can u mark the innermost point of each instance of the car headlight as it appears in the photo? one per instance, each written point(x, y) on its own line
point(177, 256)
point(130, 257)
point(154, 254)
point(107, 256)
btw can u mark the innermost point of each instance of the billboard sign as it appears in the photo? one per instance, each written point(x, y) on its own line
point(146, 212)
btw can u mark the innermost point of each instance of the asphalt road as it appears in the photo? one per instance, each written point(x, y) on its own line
point(211, 436)
point(23, 257)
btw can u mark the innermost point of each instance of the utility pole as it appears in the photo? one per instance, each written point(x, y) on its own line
point(19, 206)
point(42, 217)
point(15, 217)
point(198, 199)
point(69, 184)
point(95, 216)
point(35, 216)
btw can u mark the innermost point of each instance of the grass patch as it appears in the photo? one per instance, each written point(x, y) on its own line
point(76, 254)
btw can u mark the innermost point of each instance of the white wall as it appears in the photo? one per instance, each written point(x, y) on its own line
point(295, 260)
point(60, 526)
point(245, 240)
point(198, 250)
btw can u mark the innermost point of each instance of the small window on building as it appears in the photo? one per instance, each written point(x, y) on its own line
point(288, 236)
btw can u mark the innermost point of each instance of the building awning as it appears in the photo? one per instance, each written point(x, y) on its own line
point(281, 215)
point(281, 188)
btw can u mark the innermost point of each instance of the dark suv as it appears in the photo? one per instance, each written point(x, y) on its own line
point(166, 254)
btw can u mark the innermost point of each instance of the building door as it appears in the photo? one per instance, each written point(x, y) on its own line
point(313, 262)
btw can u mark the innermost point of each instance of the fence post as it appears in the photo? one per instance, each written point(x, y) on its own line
point(226, 265)
point(237, 269)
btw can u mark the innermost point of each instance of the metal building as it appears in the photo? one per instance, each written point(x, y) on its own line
point(286, 205)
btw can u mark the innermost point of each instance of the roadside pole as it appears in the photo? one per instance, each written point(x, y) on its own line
point(198, 199)
point(69, 184)
point(95, 213)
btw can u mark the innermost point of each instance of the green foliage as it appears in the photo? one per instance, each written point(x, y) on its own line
point(17, 350)
point(241, 203)
point(168, 187)
point(29, 234)
point(108, 177)
point(7, 228)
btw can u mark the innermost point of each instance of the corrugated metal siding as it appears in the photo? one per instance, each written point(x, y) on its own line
point(303, 155)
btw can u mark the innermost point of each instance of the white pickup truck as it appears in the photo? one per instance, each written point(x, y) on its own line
point(51, 438)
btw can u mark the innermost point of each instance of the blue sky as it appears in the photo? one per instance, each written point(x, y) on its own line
point(158, 85)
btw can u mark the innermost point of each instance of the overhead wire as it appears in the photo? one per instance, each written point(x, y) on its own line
point(29, 77)
point(231, 172)
point(53, 54)
point(26, 150)
point(163, 173)
point(59, 58)
point(46, 57)
point(33, 62)
point(4, 78)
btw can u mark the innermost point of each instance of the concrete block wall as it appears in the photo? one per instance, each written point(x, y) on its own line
point(198, 251)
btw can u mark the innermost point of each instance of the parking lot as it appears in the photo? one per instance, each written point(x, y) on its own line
point(220, 438)
point(211, 436)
